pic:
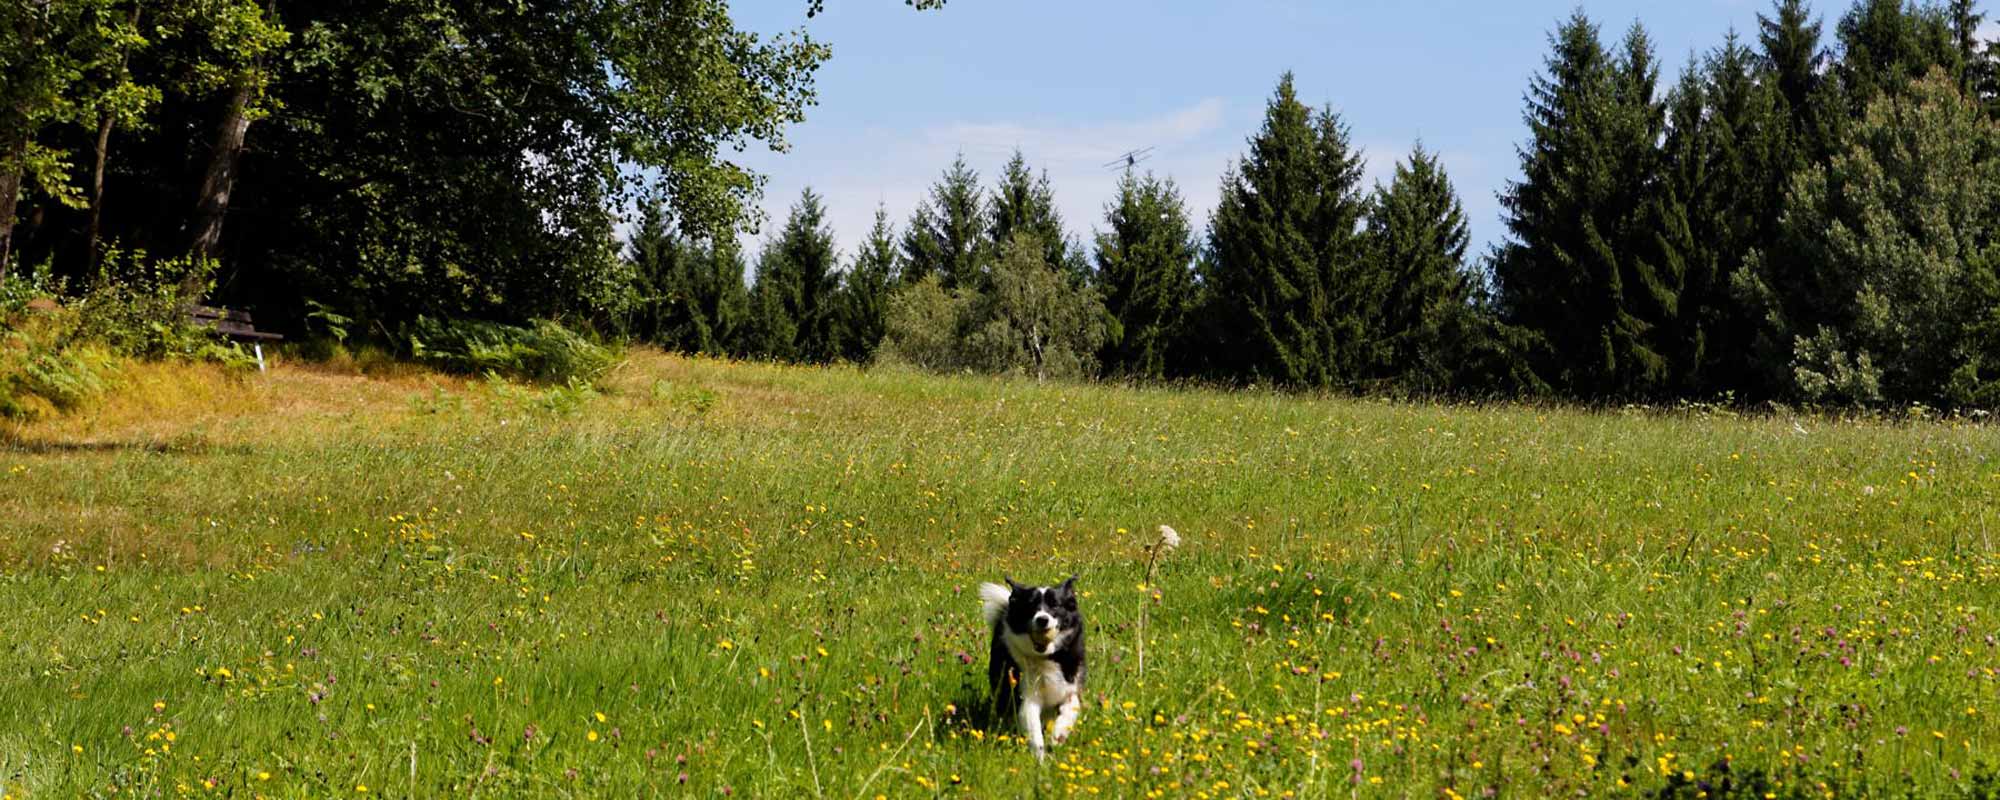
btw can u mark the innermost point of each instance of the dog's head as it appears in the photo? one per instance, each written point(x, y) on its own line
point(1047, 615)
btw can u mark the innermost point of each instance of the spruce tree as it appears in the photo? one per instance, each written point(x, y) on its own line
point(725, 300)
point(773, 329)
point(1281, 242)
point(1026, 203)
point(947, 234)
point(794, 295)
point(1794, 61)
point(667, 272)
point(1417, 238)
point(864, 291)
point(1145, 261)
point(1712, 209)
point(1570, 272)
point(1886, 44)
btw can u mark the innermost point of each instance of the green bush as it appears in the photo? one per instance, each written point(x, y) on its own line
point(138, 307)
point(545, 352)
point(57, 351)
point(44, 367)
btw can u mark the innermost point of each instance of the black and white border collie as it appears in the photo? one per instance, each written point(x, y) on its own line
point(1037, 656)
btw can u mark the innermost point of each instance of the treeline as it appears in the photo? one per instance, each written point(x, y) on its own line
point(1800, 217)
point(1808, 214)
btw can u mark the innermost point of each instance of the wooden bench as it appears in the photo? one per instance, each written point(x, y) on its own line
point(236, 325)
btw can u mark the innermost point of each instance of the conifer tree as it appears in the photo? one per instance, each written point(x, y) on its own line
point(1024, 202)
point(1282, 248)
point(1417, 238)
point(794, 294)
point(947, 234)
point(667, 274)
point(724, 299)
point(1886, 44)
point(864, 291)
point(1145, 261)
point(1723, 146)
point(1570, 272)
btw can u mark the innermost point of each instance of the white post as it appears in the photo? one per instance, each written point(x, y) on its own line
point(260, 356)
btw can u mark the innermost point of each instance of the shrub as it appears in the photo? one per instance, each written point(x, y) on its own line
point(138, 307)
point(544, 352)
point(44, 367)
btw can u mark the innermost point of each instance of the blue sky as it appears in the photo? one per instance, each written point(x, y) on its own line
point(1075, 83)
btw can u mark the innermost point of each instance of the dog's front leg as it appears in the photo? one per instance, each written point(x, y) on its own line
point(1031, 726)
point(1066, 718)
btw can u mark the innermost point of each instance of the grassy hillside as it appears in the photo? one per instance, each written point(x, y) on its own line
point(719, 578)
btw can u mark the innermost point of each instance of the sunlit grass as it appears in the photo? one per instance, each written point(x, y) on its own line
point(717, 577)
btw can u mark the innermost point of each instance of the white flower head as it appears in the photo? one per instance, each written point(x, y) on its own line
point(1169, 538)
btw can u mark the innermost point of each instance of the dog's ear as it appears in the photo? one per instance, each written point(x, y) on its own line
point(1069, 586)
point(1011, 584)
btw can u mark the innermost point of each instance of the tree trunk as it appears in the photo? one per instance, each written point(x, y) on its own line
point(11, 170)
point(220, 177)
point(93, 249)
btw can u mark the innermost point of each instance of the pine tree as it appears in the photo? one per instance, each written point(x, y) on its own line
point(725, 299)
point(1570, 272)
point(793, 298)
point(864, 291)
point(1713, 209)
point(1024, 202)
point(947, 234)
point(667, 273)
point(1417, 237)
point(1145, 261)
point(1793, 61)
point(1282, 243)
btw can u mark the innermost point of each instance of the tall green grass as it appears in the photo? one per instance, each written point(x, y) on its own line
point(712, 578)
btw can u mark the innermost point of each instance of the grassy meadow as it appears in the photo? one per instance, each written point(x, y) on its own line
point(713, 579)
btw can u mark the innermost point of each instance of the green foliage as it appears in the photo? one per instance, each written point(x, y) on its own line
point(1025, 203)
point(544, 352)
point(795, 310)
point(947, 235)
point(1887, 44)
point(862, 305)
point(59, 351)
point(921, 326)
point(46, 366)
point(1572, 271)
point(1284, 255)
point(685, 296)
point(1901, 228)
point(1031, 319)
point(139, 306)
point(1421, 325)
point(1145, 270)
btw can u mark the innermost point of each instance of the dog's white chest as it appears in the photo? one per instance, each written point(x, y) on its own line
point(1049, 684)
point(1041, 677)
